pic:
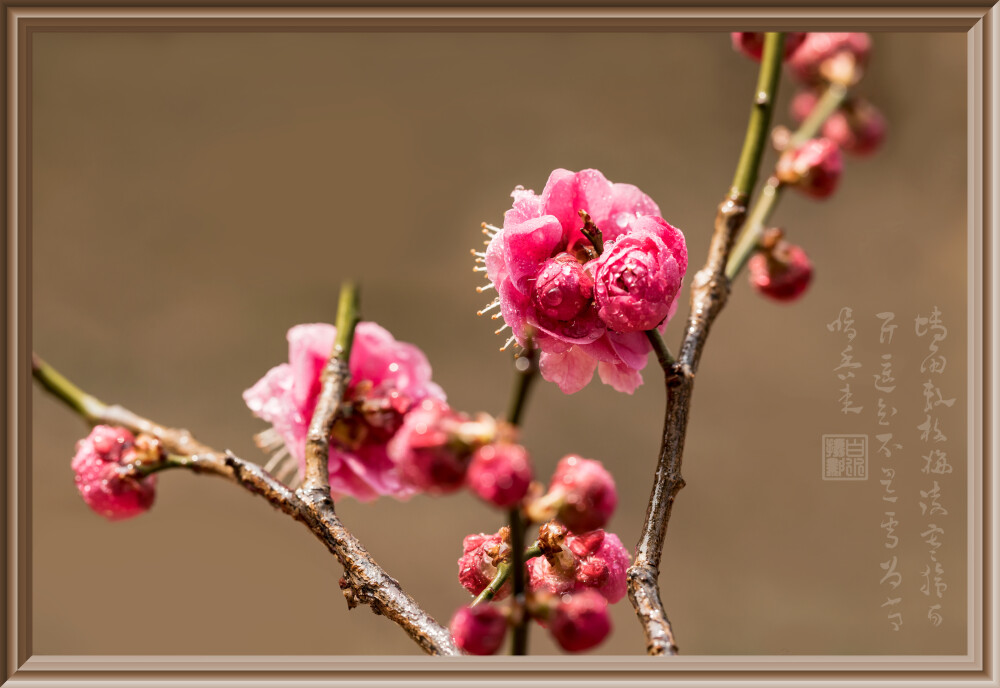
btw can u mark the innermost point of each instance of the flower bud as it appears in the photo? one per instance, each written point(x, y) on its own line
point(500, 473)
point(813, 168)
point(857, 127)
point(594, 560)
point(479, 630)
point(563, 288)
point(478, 564)
point(836, 57)
point(106, 488)
point(426, 448)
point(580, 621)
point(751, 43)
point(639, 275)
point(582, 493)
point(783, 273)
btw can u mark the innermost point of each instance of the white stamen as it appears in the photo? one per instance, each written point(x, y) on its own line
point(508, 343)
point(492, 228)
point(288, 470)
point(276, 460)
point(505, 326)
point(496, 315)
point(489, 307)
point(269, 440)
point(485, 288)
point(479, 268)
point(481, 254)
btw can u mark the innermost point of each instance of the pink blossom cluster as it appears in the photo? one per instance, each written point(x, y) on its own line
point(109, 490)
point(395, 434)
point(823, 63)
point(578, 573)
point(585, 308)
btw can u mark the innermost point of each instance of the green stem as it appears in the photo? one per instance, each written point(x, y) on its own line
point(527, 368)
point(52, 380)
point(746, 244)
point(503, 573)
point(170, 461)
point(519, 638)
point(663, 354)
point(745, 178)
point(347, 320)
point(828, 103)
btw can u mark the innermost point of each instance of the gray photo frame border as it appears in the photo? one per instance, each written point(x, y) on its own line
point(978, 668)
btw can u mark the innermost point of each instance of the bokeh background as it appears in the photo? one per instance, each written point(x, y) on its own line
point(195, 195)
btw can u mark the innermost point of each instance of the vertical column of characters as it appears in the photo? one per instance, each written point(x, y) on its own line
point(885, 386)
point(935, 462)
point(845, 457)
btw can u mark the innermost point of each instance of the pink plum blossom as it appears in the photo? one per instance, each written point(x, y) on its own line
point(106, 489)
point(479, 630)
point(595, 560)
point(814, 168)
point(811, 62)
point(751, 43)
point(541, 265)
point(782, 274)
point(476, 567)
point(639, 275)
point(580, 621)
point(857, 126)
point(387, 379)
point(500, 473)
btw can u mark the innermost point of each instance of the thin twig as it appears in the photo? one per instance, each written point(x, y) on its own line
point(663, 354)
point(709, 292)
point(769, 196)
point(502, 575)
point(334, 380)
point(365, 580)
point(527, 367)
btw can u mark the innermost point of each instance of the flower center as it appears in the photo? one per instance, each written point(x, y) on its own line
point(563, 288)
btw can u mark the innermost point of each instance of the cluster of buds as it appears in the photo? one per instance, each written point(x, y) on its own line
point(108, 465)
point(576, 571)
point(826, 65)
point(440, 450)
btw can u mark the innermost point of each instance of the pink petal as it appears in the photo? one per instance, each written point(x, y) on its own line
point(628, 203)
point(571, 370)
point(583, 329)
point(527, 246)
point(309, 347)
point(559, 199)
point(526, 207)
point(620, 377)
point(632, 348)
point(272, 400)
point(514, 307)
point(378, 357)
point(595, 195)
point(670, 235)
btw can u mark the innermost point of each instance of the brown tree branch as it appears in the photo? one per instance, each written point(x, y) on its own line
point(364, 580)
point(709, 292)
point(334, 380)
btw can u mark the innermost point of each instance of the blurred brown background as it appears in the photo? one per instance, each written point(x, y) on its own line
point(197, 194)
